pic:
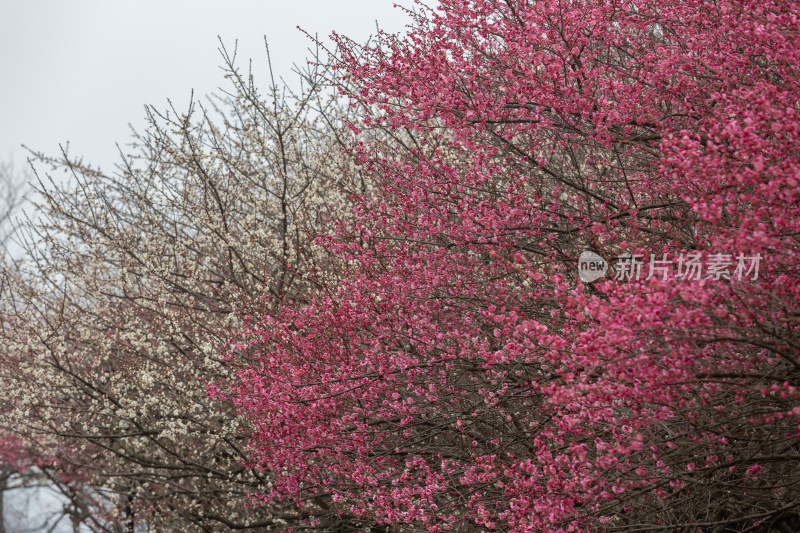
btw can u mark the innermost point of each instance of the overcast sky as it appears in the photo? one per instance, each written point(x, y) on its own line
point(82, 70)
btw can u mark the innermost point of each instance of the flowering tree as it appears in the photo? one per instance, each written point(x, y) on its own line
point(116, 317)
point(455, 373)
point(12, 186)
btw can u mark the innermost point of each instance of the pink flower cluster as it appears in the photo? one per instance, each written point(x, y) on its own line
point(450, 370)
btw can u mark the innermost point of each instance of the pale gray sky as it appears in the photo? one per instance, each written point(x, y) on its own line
point(81, 70)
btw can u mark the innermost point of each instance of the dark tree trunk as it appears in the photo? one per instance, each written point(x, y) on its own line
point(4, 475)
